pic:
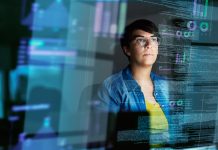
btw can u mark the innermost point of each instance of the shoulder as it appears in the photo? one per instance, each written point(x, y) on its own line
point(113, 80)
point(159, 79)
point(110, 92)
point(161, 83)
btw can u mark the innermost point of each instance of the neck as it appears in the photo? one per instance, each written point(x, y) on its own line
point(141, 74)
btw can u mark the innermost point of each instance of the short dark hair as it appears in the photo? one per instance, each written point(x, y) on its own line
point(140, 24)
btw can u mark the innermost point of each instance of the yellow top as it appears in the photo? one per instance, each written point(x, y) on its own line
point(158, 121)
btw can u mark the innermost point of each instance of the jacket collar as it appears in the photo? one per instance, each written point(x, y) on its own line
point(130, 82)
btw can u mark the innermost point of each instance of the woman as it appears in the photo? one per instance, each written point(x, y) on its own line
point(136, 88)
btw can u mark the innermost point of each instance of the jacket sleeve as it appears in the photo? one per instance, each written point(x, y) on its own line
point(106, 98)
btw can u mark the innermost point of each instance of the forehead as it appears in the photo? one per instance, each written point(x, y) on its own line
point(136, 33)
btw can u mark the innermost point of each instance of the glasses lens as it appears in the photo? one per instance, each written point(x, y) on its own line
point(141, 41)
point(155, 40)
point(144, 42)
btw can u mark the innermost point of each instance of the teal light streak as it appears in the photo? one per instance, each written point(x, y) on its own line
point(205, 8)
point(122, 17)
point(184, 57)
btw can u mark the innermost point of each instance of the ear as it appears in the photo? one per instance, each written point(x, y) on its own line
point(126, 50)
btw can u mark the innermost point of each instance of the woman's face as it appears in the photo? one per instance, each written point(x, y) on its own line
point(143, 48)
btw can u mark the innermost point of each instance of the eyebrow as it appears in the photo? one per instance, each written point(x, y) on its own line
point(135, 36)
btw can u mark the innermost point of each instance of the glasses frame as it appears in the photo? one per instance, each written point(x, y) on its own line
point(147, 41)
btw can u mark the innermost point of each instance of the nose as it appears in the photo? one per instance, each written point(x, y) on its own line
point(148, 45)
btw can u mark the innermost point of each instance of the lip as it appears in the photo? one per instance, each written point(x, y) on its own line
point(148, 55)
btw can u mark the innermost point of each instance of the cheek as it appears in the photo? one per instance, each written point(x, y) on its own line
point(135, 51)
point(138, 50)
point(155, 50)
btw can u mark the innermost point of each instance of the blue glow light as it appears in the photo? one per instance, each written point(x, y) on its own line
point(36, 43)
point(30, 107)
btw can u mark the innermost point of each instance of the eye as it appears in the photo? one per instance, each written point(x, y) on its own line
point(141, 41)
point(154, 39)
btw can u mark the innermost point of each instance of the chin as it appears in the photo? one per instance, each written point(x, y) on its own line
point(145, 62)
point(148, 63)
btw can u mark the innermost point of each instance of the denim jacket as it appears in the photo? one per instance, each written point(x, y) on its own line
point(120, 92)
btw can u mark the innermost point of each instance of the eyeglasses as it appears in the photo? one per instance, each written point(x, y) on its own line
point(143, 42)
